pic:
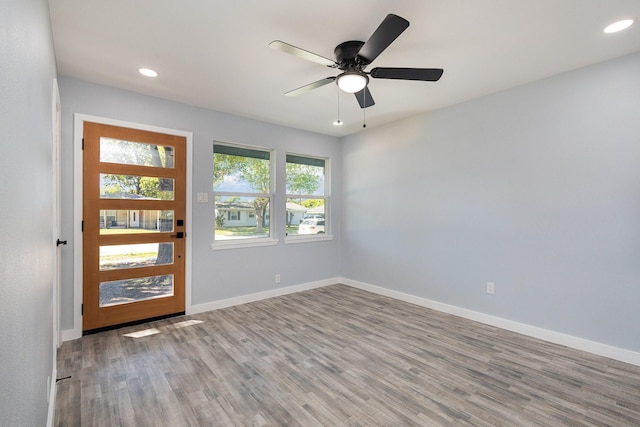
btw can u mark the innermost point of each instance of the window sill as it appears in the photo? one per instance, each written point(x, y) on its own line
point(242, 243)
point(308, 238)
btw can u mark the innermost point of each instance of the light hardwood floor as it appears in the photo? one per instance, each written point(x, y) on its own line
point(336, 356)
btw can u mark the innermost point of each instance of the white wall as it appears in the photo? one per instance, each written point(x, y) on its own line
point(536, 189)
point(27, 70)
point(221, 274)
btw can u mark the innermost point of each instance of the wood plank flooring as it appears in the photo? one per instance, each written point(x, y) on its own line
point(336, 356)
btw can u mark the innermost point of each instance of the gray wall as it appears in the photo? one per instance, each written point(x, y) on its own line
point(536, 189)
point(217, 274)
point(27, 70)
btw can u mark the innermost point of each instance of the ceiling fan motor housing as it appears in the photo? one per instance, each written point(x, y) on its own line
point(347, 56)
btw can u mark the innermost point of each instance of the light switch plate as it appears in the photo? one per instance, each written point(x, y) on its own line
point(203, 197)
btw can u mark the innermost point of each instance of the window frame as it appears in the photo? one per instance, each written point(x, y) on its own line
point(327, 235)
point(251, 241)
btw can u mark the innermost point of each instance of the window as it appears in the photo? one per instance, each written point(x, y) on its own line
point(242, 182)
point(306, 196)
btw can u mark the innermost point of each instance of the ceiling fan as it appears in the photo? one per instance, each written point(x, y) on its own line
point(352, 57)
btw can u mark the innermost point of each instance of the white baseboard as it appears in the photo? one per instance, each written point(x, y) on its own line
point(51, 412)
point(214, 305)
point(71, 334)
point(600, 349)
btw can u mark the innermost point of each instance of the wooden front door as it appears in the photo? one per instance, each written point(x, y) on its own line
point(134, 205)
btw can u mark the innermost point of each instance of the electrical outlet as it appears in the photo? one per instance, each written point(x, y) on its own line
point(491, 288)
point(277, 278)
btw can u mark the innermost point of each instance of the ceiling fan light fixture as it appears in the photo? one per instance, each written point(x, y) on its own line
point(352, 81)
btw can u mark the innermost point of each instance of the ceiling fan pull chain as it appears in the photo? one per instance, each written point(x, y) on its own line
point(338, 122)
point(339, 106)
point(364, 110)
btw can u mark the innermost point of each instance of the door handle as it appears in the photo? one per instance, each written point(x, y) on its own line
point(179, 235)
point(61, 242)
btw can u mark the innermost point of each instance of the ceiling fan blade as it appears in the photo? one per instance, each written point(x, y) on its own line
point(364, 98)
point(389, 30)
point(310, 86)
point(423, 74)
point(301, 53)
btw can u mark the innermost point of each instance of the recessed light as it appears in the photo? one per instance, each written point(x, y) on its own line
point(618, 26)
point(338, 123)
point(147, 72)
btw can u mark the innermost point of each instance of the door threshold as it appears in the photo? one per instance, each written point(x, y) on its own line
point(136, 322)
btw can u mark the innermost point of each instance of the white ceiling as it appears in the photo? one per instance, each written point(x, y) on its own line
point(214, 54)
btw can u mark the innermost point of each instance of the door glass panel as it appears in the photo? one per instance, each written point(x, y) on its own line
point(120, 221)
point(135, 153)
point(114, 257)
point(132, 187)
point(138, 289)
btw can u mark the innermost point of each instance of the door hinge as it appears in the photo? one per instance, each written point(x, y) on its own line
point(81, 309)
point(82, 226)
point(83, 143)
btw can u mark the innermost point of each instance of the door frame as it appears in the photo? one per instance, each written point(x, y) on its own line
point(56, 121)
point(78, 130)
